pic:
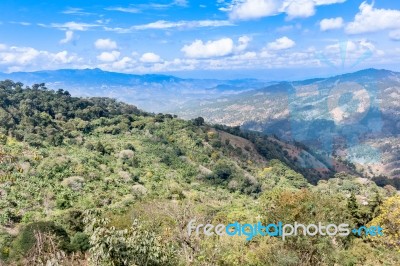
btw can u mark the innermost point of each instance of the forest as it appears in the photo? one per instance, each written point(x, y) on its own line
point(94, 181)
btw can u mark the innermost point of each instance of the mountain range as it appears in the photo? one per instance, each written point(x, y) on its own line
point(351, 117)
point(155, 93)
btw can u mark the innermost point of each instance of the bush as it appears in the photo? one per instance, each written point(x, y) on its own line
point(132, 246)
point(223, 170)
point(26, 238)
point(80, 242)
point(73, 182)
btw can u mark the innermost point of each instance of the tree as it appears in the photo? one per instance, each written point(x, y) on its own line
point(199, 121)
point(389, 220)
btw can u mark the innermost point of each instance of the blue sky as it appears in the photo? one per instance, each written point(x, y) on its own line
point(267, 39)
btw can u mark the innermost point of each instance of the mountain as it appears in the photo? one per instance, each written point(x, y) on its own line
point(353, 116)
point(94, 181)
point(153, 93)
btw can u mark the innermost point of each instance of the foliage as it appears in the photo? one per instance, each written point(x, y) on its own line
point(389, 219)
point(26, 239)
point(74, 171)
point(132, 246)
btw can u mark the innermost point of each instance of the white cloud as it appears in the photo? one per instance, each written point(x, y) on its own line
point(183, 24)
point(139, 7)
point(123, 63)
point(162, 24)
point(371, 19)
point(281, 44)
point(150, 58)
point(22, 23)
point(64, 57)
point(198, 49)
point(69, 36)
point(181, 3)
point(331, 23)
point(29, 58)
point(246, 56)
point(254, 9)
point(73, 26)
point(243, 42)
point(124, 9)
point(395, 35)
point(75, 11)
point(328, 2)
point(105, 44)
point(109, 56)
point(19, 55)
point(300, 9)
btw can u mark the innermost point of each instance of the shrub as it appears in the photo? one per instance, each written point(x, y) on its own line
point(26, 238)
point(133, 246)
point(74, 182)
point(223, 170)
point(80, 242)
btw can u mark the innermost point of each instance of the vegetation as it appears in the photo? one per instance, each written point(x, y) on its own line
point(98, 182)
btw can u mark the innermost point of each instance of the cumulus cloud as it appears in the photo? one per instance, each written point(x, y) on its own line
point(123, 63)
point(243, 42)
point(281, 44)
point(69, 36)
point(109, 56)
point(63, 57)
point(199, 49)
point(331, 23)
point(300, 8)
point(254, 9)
point(216, 48)
point(105, 44)
point(150, 58)
point(370, 19)
point(29, 58)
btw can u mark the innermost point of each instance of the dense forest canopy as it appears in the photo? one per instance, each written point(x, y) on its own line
point(99, 182)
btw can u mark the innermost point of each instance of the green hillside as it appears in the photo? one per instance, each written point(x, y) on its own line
point(98, 182)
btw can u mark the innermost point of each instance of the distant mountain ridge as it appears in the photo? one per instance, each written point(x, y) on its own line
point(90, 75)
point(152, 92)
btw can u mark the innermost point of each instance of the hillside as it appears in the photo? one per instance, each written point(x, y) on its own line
point(347, 116)
point(99, 182)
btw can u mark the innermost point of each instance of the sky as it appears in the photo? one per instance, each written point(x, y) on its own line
point(265, 39)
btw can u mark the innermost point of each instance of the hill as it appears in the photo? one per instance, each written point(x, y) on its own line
point(353, 116)
point(99, 182)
